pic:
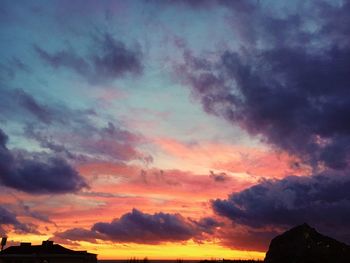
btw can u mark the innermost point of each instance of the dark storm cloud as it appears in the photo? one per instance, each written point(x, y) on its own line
point(110, 59)
point(36, 174)
point(139, 227)
point(322, 200)
point(293, 89)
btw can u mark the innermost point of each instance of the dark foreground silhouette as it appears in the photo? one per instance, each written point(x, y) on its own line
point(303, 244)
point(47, 252)
point(230, 261)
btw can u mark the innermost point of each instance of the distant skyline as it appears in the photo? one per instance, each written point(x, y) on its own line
point(173, 128)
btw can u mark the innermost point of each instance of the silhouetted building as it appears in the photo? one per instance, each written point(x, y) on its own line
point(47, 252)
point(303, 244)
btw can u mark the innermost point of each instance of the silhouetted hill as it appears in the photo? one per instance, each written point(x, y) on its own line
point(303, 244)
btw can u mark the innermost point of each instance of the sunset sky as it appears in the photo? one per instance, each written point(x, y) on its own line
point(173, 128)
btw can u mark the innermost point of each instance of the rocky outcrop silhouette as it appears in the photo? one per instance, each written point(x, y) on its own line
point(303, 244)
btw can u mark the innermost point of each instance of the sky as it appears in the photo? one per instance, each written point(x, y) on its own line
point(173, 128)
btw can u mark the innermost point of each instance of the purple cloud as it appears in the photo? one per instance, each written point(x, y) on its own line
point(139, 227)
point(79, 234)
point(36, 174)
point(31, 105)
point(111, 59)
point(11, 67)
point(8, 218)
point(322, 200)
point(17, 104)
point(64, 130)
point(110, 143)
point(68, 59)
point(292, 89)
point(219, 177)
point(237, 5)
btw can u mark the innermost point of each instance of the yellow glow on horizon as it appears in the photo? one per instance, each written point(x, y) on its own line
point(32, 238)
point(185, 250)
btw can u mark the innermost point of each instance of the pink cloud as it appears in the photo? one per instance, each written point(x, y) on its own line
point(254, 161)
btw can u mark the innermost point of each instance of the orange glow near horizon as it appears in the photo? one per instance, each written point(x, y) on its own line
point(119, 187)
point(189, 250)
point(153, 190)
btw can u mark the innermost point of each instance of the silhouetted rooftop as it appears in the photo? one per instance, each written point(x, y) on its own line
point(47, 247)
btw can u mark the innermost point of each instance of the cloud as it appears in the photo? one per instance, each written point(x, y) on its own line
point(246, 238)
point(8, 218)
point(322, 200)
point(17, 104)
point(31, 105)
point(228, 158)
point(27, 211)
point(138, 227)
point(64, 130)
point(219, 177)
point(11, 66)
point(207, 224)
point(64, 58)
point(36, 174)
point(81, 140)
point(287, 84)
point(142, 228)
point(238, 5)
point(78, 234)
point(110, 59)
point(291, 89)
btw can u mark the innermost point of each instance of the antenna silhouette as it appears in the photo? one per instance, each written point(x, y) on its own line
point(3, 243)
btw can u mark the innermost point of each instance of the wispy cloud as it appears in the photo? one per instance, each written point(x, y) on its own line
point(110, 59)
